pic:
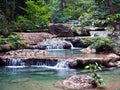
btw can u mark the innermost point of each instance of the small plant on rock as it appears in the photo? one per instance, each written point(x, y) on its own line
point(94, 68)
point(100, 44)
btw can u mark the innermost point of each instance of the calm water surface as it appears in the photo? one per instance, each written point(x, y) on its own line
point(30, 78)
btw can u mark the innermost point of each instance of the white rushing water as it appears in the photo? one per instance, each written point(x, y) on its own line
point(54, 43)
point(100, 33)
point(19, 63)
point(61, 64)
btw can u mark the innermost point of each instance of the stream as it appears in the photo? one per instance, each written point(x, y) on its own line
point(44, 75)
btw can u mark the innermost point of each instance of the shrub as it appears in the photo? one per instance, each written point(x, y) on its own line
point(100, 44)
point(94, 68)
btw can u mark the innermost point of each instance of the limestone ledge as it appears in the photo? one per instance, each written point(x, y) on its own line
point(108, 60)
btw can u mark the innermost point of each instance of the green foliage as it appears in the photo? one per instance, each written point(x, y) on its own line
point(105, 43)
point(37, 16)
point(94, 68)
point(3, 22)
point(113, 18)
point(91, 19)
point(13, 39)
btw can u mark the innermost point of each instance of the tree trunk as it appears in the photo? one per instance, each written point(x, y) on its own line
point(13, 10)
point(112, 13)
point(62, 7)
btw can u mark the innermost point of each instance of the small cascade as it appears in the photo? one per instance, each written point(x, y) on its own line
point(62, 64)
point(55, 43)
point(14, 62)
point(53, 64)
point(100, 33)
point(72, 47)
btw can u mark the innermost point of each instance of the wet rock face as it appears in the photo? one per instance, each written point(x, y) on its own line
point(60, 30)
point(77, 83)
point(2, 63)
point(76, 42)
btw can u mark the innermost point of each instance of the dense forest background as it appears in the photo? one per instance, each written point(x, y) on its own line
point(22, 15)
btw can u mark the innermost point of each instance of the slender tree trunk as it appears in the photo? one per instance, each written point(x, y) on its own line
point(112, 13)
point(13, 10)
point(62, 7)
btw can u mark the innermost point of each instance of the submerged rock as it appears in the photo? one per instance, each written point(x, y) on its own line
point(20, 80)
point(77, 83)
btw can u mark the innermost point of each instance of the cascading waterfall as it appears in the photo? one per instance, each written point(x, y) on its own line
point(62, 64)
point(53, 64)
point(14, 62)
point(55, 43)
point(100, 33)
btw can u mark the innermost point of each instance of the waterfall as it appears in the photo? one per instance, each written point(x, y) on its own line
point(100, 33)
point(55, 43)
point(15, 62)
point(53, 64)
point(62, 64)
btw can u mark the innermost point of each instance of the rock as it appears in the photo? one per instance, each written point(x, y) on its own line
point(88, 50)
point(111, 64)
point(34, 38)
point(20, 80)
point(66, 45)
point(2, 63)
point(76, 42)
point(81, 32)
point(77, 83)
point(107, 60)
point(60, 30)
point(54, 43)
point(41, 47)
point(112, 57)
point(25, 54)
point(73, 64)
point(5, 47)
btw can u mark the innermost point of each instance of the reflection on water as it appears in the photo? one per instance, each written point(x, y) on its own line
point(34, 78)
point(64, 52)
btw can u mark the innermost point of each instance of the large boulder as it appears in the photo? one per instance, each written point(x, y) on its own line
point(60, 30)
point(82, 82)
point(34, 38)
